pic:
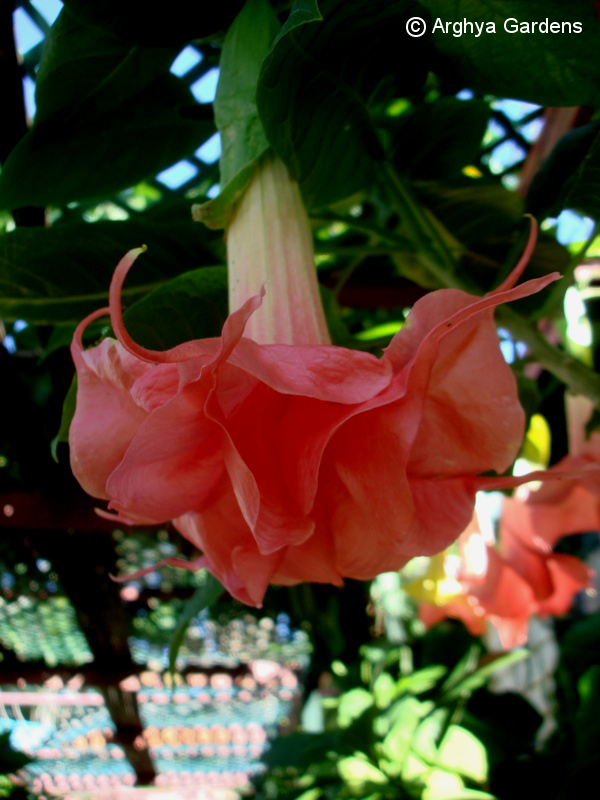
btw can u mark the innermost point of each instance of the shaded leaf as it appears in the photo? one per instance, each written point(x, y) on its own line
point(108, 115)
point(203, 597)
point(583, 192)
point(570, 176)
point(85, 72)
point(137, 21)
point(316, 84)
point(61, 274)
point(553, 69)
point(438, 139)
point(55, 165)
point(68, 412)
point(191, 306)
point(300, 749)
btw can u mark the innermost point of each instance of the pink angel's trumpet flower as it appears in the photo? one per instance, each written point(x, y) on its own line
point(504, 585)
point(282, 457)
point(570, 506)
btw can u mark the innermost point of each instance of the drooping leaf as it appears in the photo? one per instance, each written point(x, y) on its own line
point(108, 115)
point(203, 597)
point(54, 165)
point(550, 68)
point(137, 21)
point(60, 274)
point(243, 140)
point(316, 84)
point(88, 72)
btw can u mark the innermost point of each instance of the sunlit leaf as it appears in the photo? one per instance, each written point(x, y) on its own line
point(352, 704)
point(536, 447)
point(460, 751)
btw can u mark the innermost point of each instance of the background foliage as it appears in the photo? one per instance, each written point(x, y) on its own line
point(397, 145)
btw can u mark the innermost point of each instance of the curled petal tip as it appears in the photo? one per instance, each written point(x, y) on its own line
point(516, 273)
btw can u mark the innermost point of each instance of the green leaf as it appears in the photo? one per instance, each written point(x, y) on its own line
point(302, 11)
point(300, 749)
point(460, 751)
point(137, 21)
point(438, 139)
point(87, 72)
point(191, 306)
point(314, 90)
point(473, 210)
point(68, 412)
point(421, 681)
point(536, 446)
point(569, 177)
point(360, 775)
point(553, 69)
point(479, 678)
point(203, 597)
point(108, 115)
point(61, 274)
point(587, 724)
point(408, 713)
point(384, 690)
point(98, 156)
point(352, 705)
point(583, 192)
point(243, 139)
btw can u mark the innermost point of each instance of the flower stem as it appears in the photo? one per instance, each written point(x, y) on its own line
point(269, 243)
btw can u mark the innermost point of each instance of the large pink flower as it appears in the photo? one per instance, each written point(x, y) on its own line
point(284, 458)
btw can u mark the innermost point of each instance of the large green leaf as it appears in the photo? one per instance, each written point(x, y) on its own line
point(138, 21)
point(316, 84)
point(553, 68)
point(243, 139)
point(60, 274)
point(88, 72)
point(109, 115)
